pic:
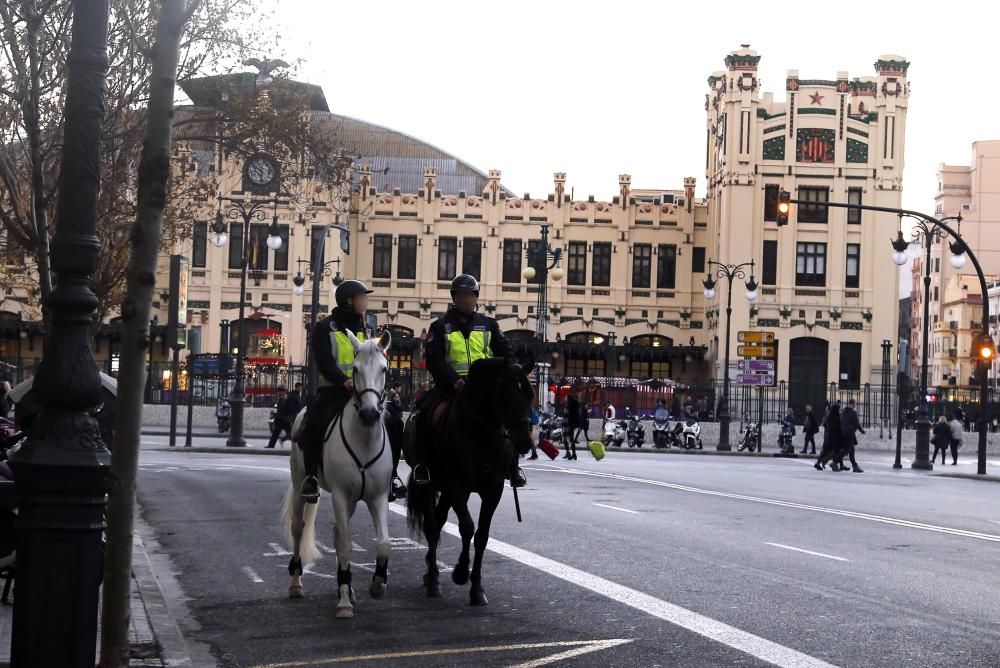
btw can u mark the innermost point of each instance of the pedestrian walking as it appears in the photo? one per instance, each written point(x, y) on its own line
point(832, 439)
point(810, 428)
point(585, 416)
point(572, 424)
point(941, 438)
point(288, 407)
point(534, 420)
point(851, 426)
point(957, 422)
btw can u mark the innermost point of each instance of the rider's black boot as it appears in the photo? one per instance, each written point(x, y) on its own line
point(517, 478)
point(397, 490)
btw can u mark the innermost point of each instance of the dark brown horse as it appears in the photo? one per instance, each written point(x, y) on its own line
point(473, 445)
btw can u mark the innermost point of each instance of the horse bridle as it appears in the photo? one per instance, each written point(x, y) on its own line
point(379, 397)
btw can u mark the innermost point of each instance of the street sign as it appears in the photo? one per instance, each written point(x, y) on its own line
point(756, 365)
point(755, 379)
point(746, 336)
point(760, 350)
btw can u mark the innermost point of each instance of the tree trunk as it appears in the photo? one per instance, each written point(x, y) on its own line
point(39, 206)
point(154, 168)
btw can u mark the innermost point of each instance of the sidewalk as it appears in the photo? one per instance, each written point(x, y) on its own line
point(154, 638)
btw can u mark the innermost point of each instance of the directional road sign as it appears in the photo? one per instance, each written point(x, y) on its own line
point(746, 336)
point(766, 366)
point(755, 379)
point(764, 350)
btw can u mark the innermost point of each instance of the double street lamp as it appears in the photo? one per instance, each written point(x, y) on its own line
point(244, 210)
point(930, 230)
point(730, 272)
point(543, 261)
point(317, 269)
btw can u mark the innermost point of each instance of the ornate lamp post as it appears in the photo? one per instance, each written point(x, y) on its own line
point(61, 471)
point(926, 231)
point(246, 209)
point(317, 269)
point(730, 272)
point(546, 259)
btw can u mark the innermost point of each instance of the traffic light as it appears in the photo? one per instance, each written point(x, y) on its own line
point(784, 207)
point(986, 350)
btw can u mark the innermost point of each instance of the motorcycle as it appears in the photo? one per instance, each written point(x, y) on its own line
point(8, 521)
point(691, 434)
point(223, 413)
point(615, 433)
point(636, 433)
point(750, 439)
point(785, 443)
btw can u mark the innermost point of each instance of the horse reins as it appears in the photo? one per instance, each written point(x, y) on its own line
point(362, 468)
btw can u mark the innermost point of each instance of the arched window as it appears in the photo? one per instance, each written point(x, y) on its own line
point(652, 362)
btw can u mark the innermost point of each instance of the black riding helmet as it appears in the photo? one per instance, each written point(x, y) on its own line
point(464, 283)
point(348, 289)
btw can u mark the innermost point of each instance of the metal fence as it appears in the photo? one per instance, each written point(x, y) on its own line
point(261, 385)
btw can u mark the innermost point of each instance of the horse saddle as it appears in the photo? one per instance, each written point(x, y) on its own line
point(418, 426)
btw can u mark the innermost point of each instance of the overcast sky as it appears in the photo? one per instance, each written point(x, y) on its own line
point(597, 89)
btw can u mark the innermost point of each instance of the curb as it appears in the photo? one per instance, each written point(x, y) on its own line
point(181, 433)
point(693, 453)
point(166, 633)
point(225, 451)
point(989, 477)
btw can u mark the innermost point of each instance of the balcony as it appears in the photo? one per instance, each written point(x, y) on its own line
point(952, 352)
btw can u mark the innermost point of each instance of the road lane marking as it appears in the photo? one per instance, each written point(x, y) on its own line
point(581, 647)
point(740, 640)
point(277, 551)
point(992, 538)
point(624, 510)
point(250, 573)
point(799, 549)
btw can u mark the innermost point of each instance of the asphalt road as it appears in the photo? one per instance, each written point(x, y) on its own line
point(638, 560)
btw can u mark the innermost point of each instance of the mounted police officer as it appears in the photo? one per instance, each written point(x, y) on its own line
point(454, 342)
point(333, 356)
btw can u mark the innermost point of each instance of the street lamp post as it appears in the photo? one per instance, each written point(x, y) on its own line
point(730, 272)
point(985, 348)
point(61, 471)
point(247, 210)
point(546, 259)
point(318, 268)
point(927, 232)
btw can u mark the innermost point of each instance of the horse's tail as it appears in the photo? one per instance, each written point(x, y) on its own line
point(420, 501)
point(295, 510)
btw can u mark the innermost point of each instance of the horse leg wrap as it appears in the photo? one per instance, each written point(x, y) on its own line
point(382, 569)
point(295, 566)
point(343, 577)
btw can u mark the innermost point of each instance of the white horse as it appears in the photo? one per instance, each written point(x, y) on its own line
point(357, 466)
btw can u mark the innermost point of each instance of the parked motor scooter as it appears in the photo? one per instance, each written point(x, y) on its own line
point(8, 535)
point(615, 433)
point(786, 445)
point(636, 433)
point(662, 436)
point(223, 413)
point(750, 439)
point(551, 428)
point(691, 433)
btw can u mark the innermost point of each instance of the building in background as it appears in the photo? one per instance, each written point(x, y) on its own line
point(973, 192)
point(824, 290)
point(904, 330)
point(952, 337)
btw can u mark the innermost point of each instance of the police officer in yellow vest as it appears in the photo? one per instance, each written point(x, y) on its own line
point(454, 341)
point(333, 355)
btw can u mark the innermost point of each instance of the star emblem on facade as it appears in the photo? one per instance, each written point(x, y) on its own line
point(816, 98)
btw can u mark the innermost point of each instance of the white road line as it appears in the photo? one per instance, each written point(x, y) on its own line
point(763, 649)
point(277, 551)
point(624, 510)
point(799, 549)
point(588, 648)
point(250, 573)
point(992, 538)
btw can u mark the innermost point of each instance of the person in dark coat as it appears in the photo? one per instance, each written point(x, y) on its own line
point(392, 419)
point(851, 426)
point(941, 438)
point(956, 424)
point(832, 438)
point(572, 424)
point(810, 428)
point(289, 406)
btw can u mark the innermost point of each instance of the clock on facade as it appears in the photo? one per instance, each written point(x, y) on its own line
point(261, 171)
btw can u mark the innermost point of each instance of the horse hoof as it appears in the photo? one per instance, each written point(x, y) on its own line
point(344, 612)
point(296, 591)
point(477, 597)
point(353, 597)
point(377, 588)
point(460, 575)
point(433, 586)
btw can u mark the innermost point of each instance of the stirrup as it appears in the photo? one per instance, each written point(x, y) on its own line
point(311, 497)
point(517, 478)
point(421, 474)
point(397, 490)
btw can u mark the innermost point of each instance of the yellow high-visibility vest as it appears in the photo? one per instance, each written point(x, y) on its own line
point(462, 352)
